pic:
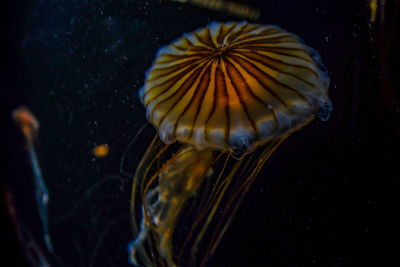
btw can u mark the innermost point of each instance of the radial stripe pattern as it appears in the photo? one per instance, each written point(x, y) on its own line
point(233, 86)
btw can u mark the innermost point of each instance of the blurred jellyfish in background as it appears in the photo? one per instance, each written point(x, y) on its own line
point(222, 98)
point(29, 126)
point(236, 9)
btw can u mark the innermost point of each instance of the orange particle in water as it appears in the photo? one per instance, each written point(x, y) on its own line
point(101, 151)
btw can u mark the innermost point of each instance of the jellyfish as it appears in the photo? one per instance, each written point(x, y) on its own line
point(29, 126)
point(222, 99)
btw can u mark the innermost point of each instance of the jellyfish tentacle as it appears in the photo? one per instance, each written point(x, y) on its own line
point(128, 148)
point(225, 185)
point(208, 204)
point(178, 179)
point(218, 234)
point(215, 190)
point(147, 222)
point(145, 187)
point(138, 178)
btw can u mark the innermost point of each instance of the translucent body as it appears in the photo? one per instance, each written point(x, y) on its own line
point(178, 180)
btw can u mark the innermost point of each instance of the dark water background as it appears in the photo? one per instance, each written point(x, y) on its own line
point(327, 197)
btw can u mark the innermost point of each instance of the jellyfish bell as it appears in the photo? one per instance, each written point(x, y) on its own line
point(222, 90)
point(234, 86)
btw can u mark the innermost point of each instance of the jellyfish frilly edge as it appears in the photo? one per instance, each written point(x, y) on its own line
point(229, 93)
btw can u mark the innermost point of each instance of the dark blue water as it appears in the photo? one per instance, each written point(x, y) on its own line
point(327, 197)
